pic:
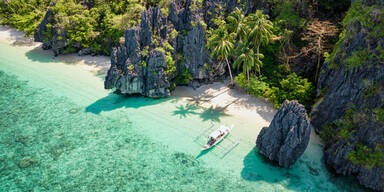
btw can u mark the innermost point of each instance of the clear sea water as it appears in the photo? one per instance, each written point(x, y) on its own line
point(61, 131)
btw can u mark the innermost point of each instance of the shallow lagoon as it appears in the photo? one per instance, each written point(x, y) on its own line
point(61, 131)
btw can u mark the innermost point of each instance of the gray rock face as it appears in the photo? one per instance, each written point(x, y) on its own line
point(194, 52)
point(157, 84)
point(127, 74)
point(359, 90)
point(287, 137)
point(54, 36)
point(148, 44)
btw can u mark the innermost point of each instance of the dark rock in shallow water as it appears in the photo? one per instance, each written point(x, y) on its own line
point(26, 162)
point(287, 137)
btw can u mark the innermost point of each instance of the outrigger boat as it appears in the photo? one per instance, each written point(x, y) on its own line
point(217, 136)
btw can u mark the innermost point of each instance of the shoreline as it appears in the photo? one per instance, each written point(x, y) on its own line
point(98, 65)
point(216, 96)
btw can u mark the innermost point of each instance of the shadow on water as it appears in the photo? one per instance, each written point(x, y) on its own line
point(255, 167)
point(298, 178)
point(203, 152)
point(39, 55)
point(210, 114)
point(100, 63)
point(114, 101)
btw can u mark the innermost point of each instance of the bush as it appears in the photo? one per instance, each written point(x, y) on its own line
point(256, 86)
point(366, 156)
point(293, 87)
point(327, 133)
point(183, 78)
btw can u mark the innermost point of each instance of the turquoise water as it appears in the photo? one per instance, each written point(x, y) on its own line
point(61, 131)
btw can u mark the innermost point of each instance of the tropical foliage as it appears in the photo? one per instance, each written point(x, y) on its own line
point(93, 24)
point(244, 39)
point(221, 44)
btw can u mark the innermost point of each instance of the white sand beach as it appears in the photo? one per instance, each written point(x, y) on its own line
point(96, 64)
point(234, 102)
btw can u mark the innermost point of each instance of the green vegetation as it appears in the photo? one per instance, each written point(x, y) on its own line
point(23, 15)
point(247, 39)
point(343, 129)
point(293, 87)
point(183, 78)
point(327, 132)
point(93, 24)
point(373, 25)
point(221, 43)
point(366, 156)
point(378, 114)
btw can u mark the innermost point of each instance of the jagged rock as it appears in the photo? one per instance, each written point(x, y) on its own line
point(40, 31)
point(157, 84)
point(357, 89)
point(54, 37)
point(145, 45)
point(85, 51)
point(287, 137)
point(194, 52)
point(127, 73)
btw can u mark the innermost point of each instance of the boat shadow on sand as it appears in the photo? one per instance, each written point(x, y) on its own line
point(114, 101)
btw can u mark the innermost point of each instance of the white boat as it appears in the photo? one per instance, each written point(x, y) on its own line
point(217, 136)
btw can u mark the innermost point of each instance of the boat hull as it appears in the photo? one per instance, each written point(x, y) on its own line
point(207, 146)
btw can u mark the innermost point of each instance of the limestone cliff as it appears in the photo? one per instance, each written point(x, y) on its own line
point(349, 114)
point(178, 41)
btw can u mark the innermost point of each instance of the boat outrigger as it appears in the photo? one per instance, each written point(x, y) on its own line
point(217, 136)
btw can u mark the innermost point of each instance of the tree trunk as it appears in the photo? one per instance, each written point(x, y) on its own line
point(248, 74)
point(318, 59)
point(229, 69)
point(258, 58)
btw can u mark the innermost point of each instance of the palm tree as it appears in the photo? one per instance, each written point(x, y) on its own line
point(247, 58)
point(221, 44)
point(237, 23)
point(260, 30)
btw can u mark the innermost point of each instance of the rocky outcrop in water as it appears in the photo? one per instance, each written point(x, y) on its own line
point(350, 113)
point(287, 137)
